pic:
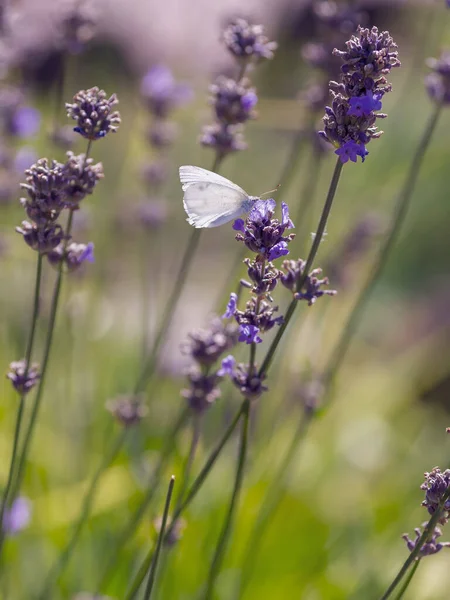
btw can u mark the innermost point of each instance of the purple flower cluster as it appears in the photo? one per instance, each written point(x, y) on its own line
point(94, 113)
point(310, 289)
point(437, 489)
point(23, 377)
point(430, 546)
point(205, 347)
point(234, 100)
point(349, 123)
point(438, 82)
point(161, 95)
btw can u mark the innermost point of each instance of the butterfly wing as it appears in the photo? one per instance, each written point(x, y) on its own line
point(209, 199)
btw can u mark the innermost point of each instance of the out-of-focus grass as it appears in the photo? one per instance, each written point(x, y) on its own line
point(354, 486)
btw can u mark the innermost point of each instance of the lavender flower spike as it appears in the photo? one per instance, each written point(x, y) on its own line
point(94, 114)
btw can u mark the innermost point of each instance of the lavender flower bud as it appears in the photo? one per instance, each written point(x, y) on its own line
point(246, 41)
point(81, 178)
point(22, 378)
point(223, 138)
point(93, 113)
point(42, 239)
point(206, 346)
point(293, 274)
point(128, 410)
point(233, 101)
point(438, 82)
point(202, 391)
point(46, 189)
point(73, 256)
point(250, 387)
point(436, 486)
point(431, 546)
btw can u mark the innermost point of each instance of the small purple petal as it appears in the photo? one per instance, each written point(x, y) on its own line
point(249, 101)
point(350, 151)
point(239, 225)
point(285, 220)
point(88, 254)
point(262, 210)
point(227, 366)
point(17, 517)
point(231, 306)
point(249, 334)
point(280, 249)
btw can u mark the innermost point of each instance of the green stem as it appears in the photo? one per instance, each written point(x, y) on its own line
point(226, 529)
point(44, 369)
point(271, 502)
point(427, 534)
point(196, 427)
point(132, 525)
point(400, 212)
point(152, 574)
point(408, 580)
point(66, 554)
point(309, 261)
point(193, 490)
point(20, 411)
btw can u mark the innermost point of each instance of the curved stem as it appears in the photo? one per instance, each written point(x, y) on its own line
point(152, 574)
point(309, 261)
point(226, 529)
point(408, 580)
point(20, 410)
point(400, 212)
point(66, 554)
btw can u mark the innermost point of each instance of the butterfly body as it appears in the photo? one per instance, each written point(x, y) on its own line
point(211, 200)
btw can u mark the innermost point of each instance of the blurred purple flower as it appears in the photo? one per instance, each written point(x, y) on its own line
point(228, 364)
point(16, 518)
point(162, 93)
point(231, 306)
point(25, 122)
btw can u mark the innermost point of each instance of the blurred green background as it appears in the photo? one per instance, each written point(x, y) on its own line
point(354, 485)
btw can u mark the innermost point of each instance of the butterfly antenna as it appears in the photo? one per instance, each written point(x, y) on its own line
point(271, 191)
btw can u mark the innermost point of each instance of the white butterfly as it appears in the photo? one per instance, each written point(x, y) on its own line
point(211, 200)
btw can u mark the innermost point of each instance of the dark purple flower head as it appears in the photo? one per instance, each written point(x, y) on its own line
point(227, 366)
point(128, 410)
point(263, 276)
point(162, 93)
point(46, 186)
point(25, 122)
point(438, 82)
point(74, 255)
point(247, 41)
point(231, 306)
point(263, 234)
point(82, 176)
point(16, 518)
point(431, 546)
point(223, 138)
point(350, 151)
point(94, 114)
point(202, 391)
point(437, 488)
point(23, 379)
point(206, 346)
point(251, 387)
point(233, 101)
point(249, 334)
point(42, 239)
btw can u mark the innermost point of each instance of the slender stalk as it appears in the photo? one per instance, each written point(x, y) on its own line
point(172, 303)
point(270, 503)
point(196, 428)
point(408, 580)
point(152, 574)
point(20, 411)
point(226, 529)
point(427, 534)
point(309, 261)
point(66, 554)
point(193, 490)
point(133, 523)
point(400, 212)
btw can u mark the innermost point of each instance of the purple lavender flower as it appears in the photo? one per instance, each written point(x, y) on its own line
point(247, 41)
point(46, 188)
point(16, 518)
point(42, 239)
point(227, 368)
point(437, 487)
point(25, 122)
point(73, 256)
point(362, 106)
point(233, 101)
point(202, 391)
point(92, 111)
point(231, 306)
point(311, 287)
point(431, 546)
point(438, 82)
point(22, 378)
point(128, 410)
point(82, 176)
point(350, 151)
point(263, 234)
point(205, 346)
point(249, 334)
point(161, 93)
point(251, 387)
